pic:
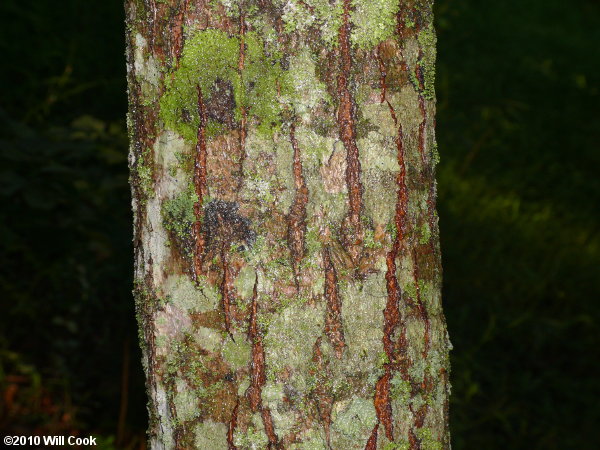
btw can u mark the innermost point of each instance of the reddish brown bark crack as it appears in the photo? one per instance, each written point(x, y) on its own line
point(324, 398)
point(333, 318)
point(422, 126)
point(258, 376)
point(347, 130)
point(297, 214)
point(372, 442)
point(177, 32)
point(232, 426)
point(395, 352)
point(226, 289)
point(200, 185)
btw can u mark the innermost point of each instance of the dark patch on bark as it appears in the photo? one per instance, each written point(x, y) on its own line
point(224, 225)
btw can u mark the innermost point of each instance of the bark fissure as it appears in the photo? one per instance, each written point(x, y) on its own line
point(347, 131)
point(200, 185)
point(334, 329)
point(226, 288)
point(391, 313)
point(232, 426)
point(258, 376)
point(297, 213)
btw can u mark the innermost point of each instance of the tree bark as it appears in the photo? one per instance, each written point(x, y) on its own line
point(287, 263)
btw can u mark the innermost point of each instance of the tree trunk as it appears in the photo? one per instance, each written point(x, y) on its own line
point(287, 259)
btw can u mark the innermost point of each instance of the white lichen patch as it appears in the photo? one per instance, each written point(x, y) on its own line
point(171, 323)
point(161, 405)
point(147, 69)
point(155, 241)
point(172, 178)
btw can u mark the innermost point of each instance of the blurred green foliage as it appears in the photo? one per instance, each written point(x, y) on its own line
point(518, 128)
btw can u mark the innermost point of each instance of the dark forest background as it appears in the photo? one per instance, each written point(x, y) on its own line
point(518, 127)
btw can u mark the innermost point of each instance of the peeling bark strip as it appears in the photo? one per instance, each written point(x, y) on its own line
point(333, 318)
point(297, 214)
point(258, 376)
point(199, 185)
point(347, 130)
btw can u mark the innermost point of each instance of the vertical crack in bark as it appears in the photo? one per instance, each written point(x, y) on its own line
point(324, 398)
point(177, 31)
point(391, 313)
point(258, 376)
point(226, 289)
point(200, 185)
point(347, 131)
point(232, 426)
point(297, 214)
point(372, 442)
point(420, 76)
point(420, 306)
point(333, 319)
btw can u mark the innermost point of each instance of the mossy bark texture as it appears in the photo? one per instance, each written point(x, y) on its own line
point(287, 259)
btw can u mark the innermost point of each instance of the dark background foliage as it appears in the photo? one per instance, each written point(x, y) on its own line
point(518, 130)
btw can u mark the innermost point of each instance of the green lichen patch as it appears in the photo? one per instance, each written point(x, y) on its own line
point(182, 292)
point(427, 40)
point(319, 15)
point(374, 21)
point(210, 63)
point(362, 317)
point(178, 218)
point(208, 338)
point(353, 422)
point(254, 437)
point(289, 342)
point(309, 91)
point(185, 401)
point(244, 282)
point(211, 435)
point(236, 354)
